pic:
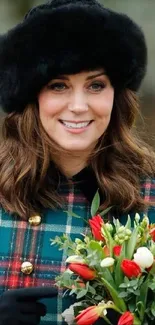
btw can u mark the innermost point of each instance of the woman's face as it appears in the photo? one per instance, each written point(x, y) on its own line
point(75, 110)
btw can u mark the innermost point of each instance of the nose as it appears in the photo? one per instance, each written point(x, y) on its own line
point(78, 103)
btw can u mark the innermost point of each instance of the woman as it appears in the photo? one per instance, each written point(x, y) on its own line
point(69, 74)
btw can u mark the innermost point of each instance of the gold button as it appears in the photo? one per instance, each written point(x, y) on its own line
point(34, 220)
point(27, 267)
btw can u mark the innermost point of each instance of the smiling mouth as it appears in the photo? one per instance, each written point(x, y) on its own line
point(76, 125)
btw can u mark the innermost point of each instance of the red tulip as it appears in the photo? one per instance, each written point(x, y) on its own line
point(130, 268)
point(117, 250)
point(96, 224)
point(89, 315)
point(83, 270)
point(126, 319)
point(152, 234)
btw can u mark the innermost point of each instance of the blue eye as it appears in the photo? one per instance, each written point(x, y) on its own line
point(58, 86)
point(97, 86)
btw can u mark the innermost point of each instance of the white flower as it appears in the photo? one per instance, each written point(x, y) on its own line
point(75, 259)
point(137, 217)
point(106, 262)
point(104, 312)
point(143, 257)
point(68, 314)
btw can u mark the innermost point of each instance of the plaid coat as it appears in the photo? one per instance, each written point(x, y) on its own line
point(19, 242)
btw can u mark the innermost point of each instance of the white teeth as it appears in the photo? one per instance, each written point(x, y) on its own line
point(75, 125)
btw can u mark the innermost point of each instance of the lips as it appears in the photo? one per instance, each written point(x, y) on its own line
point(76, 122)
point(79, 125)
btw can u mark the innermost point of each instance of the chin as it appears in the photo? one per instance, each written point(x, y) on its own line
point(76, 147)
point(72, 149)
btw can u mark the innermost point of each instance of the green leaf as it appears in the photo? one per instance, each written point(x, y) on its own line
point(95, 204)
point(153, 308)
point(152, 286)
point(118, 272)
point(123, 285)
point(133, 282)
point(91, 290)
point(152, 271)
point(131, 306)
point(94, 246)
point(123, 294)
point(140, 309)
point(132, 244)
point(130, 290)
point(128, 223)
point(135, 292)
point(104, 212)
point(140, 281)
point(144, 291)
point(98, 298)
point(81, 294)
point(108, 276)
point(126, 280)
point(143, 297)
point(107, 320)
point(72, 214)
point(119, 302)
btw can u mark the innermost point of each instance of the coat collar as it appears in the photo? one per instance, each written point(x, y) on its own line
point(86, 181)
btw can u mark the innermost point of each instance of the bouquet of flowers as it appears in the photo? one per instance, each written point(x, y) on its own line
point(111, 267)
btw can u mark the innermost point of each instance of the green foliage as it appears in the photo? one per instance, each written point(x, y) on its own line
point(94, 253)
point(118, 272)
point(95, 204)
point(65, 243)
point(132, 244)
point(130, 288)
point(118, 301)
point(103, 213)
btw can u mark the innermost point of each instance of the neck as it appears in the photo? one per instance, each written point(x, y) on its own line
point(70, 165)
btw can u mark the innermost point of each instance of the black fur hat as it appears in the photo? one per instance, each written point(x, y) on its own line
point(66, 37)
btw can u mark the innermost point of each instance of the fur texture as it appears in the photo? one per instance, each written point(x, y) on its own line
point(64, 37)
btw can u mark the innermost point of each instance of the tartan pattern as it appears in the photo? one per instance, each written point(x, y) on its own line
point(21, 242)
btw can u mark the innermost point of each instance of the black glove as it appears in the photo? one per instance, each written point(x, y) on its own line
point(21, 306)
point(112, 315)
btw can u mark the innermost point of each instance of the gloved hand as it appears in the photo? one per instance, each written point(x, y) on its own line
point(21, 306)
point(112, 315)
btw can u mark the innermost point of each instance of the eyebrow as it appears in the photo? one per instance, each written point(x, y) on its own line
point(96, 75)
point(88, 78)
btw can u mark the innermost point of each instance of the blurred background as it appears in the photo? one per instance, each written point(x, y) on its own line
point(143, 12)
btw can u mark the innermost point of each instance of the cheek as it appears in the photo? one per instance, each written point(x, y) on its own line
point(104, 108)
point(103, 105)
point(48, 106)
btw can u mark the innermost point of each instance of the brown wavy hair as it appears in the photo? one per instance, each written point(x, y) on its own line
point(119, 161)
